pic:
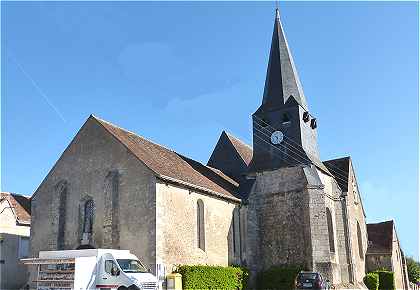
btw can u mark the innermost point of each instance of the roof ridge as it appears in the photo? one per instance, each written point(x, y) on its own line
point(22, 215)
point(229, 179)
point(338, 158)
point(5, 193)
point(244, 150)
point(137, 135)
point(144, 150)
point(377, 223)
point(236, 138)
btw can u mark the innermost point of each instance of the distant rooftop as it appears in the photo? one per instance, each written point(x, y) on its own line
point(21, 205)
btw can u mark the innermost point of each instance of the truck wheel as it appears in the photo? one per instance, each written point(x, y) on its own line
point(122, 288)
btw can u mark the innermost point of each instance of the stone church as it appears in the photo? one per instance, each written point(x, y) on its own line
point(274, 203)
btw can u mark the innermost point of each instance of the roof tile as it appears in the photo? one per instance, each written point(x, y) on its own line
point(168, 163)
point(21, 205)
point(380, 236)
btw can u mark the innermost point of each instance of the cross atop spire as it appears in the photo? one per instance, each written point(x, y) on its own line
point(282, 80)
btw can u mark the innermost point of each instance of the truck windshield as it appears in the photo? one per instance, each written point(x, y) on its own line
point(131, 266)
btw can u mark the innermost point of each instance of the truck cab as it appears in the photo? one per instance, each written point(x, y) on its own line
point(124, 271)
point(91, 269)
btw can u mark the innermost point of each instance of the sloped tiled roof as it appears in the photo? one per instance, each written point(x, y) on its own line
point(339, 168)
point(243, 149)
point(170, 165)
point(380, 237)
point(20, 204)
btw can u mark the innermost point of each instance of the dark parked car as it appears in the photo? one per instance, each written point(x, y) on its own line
point(311, 280)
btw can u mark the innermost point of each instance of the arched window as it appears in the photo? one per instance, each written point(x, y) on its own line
point(88, 216)
point(110, 232)
point(62, 195)
point(359, 240)
point(236, 231)
point(201, 232)
point(330, 231)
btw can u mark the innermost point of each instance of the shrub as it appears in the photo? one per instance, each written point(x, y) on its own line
point(386, 280)
point(413, 269)
point(371, 281)
point(213, 277)
point(278, 277)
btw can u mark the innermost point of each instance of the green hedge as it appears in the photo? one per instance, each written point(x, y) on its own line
point(213, 277)
point(371, 281)
point(278, 277)
point(386, 280)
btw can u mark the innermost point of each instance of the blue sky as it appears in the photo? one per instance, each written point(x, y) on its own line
point(181, 72)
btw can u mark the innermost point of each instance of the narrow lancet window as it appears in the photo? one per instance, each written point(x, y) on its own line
point(62, 191)
point(200, 226)
point(359, 240)
point(88, 216)
point(330, 230)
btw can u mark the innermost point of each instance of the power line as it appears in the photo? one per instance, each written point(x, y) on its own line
point(298, 151)
point(277, 155)
point(281, 157)
point(337, 175)
point(345, 173)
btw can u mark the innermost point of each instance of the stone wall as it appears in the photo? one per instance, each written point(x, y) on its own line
point(287, 223)
point(278, 220)
point(391, 262)
point(357, 219)
point(377, 261)
point(177, 237)
point(84, 169)
point(323, 195)
point(343, 246)
point(397, 263)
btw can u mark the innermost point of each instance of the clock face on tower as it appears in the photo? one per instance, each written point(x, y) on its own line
point(277, 137)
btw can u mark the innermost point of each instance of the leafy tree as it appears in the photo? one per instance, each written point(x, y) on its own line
point(413, 269)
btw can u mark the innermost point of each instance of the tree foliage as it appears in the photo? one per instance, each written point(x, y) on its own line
point(386, 280)
point(413, 269)
point(371, 281)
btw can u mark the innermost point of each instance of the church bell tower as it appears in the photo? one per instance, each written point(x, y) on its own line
point(284, 131)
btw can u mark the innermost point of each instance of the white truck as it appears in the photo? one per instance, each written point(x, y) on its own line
point(91, 269)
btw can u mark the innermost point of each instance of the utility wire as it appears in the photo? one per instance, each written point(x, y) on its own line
point(304, 158)
point(281, 157)
point(276, 154)
point(297, 151)
point(337, 175)
point(261, 120)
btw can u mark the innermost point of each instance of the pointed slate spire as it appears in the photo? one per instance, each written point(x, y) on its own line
point(282, 80)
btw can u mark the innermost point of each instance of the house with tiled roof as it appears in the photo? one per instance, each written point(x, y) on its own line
point(385, 252)
point(273, 203)
point(15, 222)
